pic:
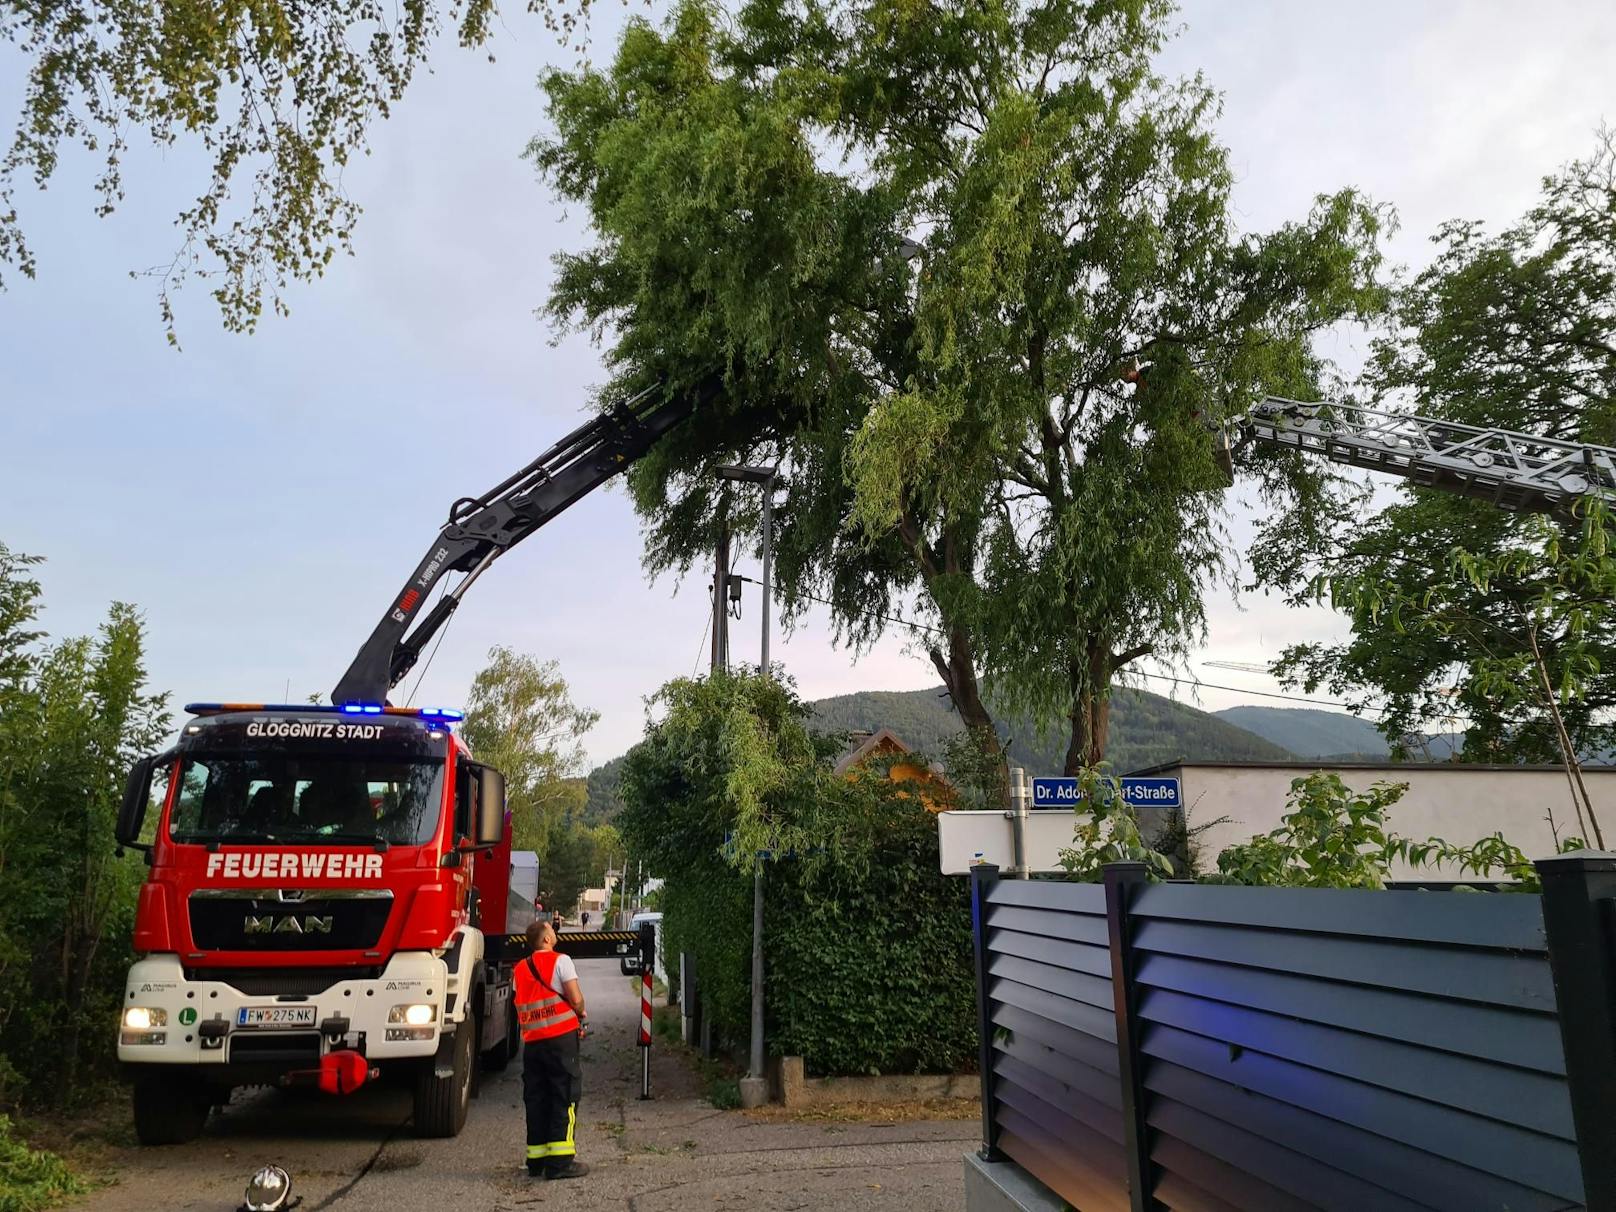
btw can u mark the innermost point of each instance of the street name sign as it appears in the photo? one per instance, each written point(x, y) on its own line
point(1140, 792)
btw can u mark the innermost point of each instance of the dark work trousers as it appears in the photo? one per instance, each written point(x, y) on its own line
point(552, 1081)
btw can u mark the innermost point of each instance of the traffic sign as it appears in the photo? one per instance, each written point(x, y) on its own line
point(1140, 792)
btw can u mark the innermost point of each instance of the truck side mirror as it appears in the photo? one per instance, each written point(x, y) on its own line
point(136, 795)
point(490, 822)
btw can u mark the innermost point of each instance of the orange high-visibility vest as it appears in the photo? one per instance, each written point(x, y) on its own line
point(541, 1012)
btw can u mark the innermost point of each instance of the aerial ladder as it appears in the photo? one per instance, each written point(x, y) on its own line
point(1514, 471)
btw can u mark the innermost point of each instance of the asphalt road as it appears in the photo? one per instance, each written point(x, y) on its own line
point(672, 1152)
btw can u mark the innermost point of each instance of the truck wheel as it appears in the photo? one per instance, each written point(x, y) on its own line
point(441, 1102)
point(169, 1110)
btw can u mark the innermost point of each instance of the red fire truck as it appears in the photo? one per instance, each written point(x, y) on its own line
point(329, 885)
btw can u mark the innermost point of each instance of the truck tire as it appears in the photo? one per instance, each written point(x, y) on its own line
point(441, 1102)
point(504, 1052)
point(169, 1110)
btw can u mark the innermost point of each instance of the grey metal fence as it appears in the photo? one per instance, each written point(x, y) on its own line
point(1174, 1046)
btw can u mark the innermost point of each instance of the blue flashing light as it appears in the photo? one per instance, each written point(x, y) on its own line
point(437, 715)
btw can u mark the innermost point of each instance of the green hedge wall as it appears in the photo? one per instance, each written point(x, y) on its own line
point(865, 972)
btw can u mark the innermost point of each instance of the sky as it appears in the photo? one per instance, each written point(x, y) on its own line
point(262, 497)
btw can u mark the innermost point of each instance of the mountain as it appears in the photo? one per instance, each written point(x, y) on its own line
point(1308, 732)
point(1146, 729)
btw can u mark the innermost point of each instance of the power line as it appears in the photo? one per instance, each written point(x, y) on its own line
point(706, 627)
point(1160, 677)
point(421, 677)
point(1266, 694)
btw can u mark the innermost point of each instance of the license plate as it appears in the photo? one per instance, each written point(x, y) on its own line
point(275, 1016)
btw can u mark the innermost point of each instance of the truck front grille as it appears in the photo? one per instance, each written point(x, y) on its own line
point(272, 920)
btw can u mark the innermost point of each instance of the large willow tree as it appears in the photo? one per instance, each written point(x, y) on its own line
point(972, 275)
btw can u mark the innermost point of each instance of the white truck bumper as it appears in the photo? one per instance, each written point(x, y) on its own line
point(169, 1020)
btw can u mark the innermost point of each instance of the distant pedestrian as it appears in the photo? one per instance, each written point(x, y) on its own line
point(583, 919)
point(550, 1011)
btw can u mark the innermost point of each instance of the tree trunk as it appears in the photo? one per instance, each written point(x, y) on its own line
point(1090, 678)
point(1091, 709)
point(958, 670)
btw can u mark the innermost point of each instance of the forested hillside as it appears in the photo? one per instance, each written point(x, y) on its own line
point(1145, 729)
point(1307, 732)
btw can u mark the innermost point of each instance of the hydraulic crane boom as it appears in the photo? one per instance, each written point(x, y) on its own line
point(1512, 470)
point(481, 529)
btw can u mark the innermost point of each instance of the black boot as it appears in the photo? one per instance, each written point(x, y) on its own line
point(572, 1169)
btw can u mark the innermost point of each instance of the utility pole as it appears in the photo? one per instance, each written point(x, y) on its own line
point(720, 653)
point(754, 1086)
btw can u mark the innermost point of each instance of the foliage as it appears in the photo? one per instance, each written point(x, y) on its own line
point(866, 943)
point(603, 800)
point(1179, 842)
point(732, 768)
point(520, 719)
point(956, 430)
point(975, 764)
point(1106, 830)
point(31, 1179)
point(1509, 329)
point(1332, 837)
point(1335, 837)
point(280, 95)
point(1535, 620)
point(871, 972)
point(74, 715)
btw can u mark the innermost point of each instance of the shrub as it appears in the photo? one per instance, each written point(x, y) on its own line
point(867, 944)
point(31, 1179)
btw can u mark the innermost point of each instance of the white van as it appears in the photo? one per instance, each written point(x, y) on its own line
point(631, 963)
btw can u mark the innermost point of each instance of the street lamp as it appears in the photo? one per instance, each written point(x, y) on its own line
point(754, 1088)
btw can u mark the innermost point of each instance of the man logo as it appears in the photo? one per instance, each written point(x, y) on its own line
point(290, 924)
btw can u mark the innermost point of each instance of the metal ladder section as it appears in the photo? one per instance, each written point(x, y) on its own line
point(1512, 470)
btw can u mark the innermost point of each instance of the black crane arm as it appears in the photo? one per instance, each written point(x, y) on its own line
point(481, 529)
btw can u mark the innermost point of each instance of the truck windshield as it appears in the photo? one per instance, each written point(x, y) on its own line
point(307, 799)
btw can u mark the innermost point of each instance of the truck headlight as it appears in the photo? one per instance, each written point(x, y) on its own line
point(415, 1015)
point(144, 1018)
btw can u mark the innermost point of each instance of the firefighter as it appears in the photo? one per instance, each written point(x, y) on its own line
point(550, 1012)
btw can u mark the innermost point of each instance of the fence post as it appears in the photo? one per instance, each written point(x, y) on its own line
point(983, 877)
point(1121, 881)
point(1579, 905)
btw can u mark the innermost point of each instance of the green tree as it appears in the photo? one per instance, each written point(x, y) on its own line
point(279, 95)
point(73, 717)
point(520, 719)
point(867, 944)
point(957, 429)
point(1460, 610)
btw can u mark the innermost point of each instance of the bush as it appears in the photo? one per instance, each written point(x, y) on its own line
point(31, 1179)
point(871, 971)
point(867, 945)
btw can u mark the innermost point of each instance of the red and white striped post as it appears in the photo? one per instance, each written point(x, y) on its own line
point(647, 963)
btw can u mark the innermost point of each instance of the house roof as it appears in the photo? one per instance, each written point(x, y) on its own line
point(867, 748)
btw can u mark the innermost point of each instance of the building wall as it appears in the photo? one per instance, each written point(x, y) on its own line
point(1457, 803)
